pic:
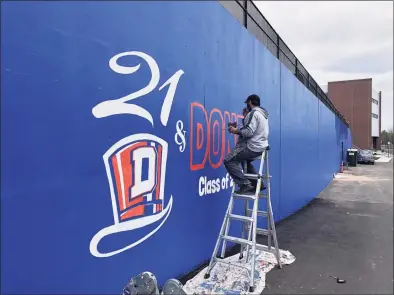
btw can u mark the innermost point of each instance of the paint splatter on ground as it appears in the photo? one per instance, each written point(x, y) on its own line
point(229, 279)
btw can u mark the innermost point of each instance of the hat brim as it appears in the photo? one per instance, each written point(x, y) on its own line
point(127, 226)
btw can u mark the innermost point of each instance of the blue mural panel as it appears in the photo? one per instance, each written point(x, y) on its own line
point(329, 153)
point(101, 101)
point(299, 129)
point(267, 84)
point(112, 122)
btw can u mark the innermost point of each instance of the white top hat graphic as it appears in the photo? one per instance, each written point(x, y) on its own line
point(137, 201)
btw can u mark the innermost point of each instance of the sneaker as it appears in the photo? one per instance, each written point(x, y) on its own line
point(246, 190)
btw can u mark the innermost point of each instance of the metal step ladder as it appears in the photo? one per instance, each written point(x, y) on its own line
point(249, 226)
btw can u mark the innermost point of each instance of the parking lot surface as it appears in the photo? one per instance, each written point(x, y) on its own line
point(346, 232)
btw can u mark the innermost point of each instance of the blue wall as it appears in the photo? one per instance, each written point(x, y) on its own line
point(55, 190)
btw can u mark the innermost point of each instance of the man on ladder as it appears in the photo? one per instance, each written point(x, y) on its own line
point(253, 141)
point(253, 144)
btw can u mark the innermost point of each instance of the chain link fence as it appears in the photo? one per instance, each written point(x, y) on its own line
point(387, 149)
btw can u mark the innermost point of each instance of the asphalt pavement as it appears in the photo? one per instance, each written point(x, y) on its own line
point(346, 232)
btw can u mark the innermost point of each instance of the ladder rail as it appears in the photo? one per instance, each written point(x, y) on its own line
point(211, 262)
point(243, 233)
point(254, 225)
point(249, 237)
point(271, 220)
point(268, 203)
point(227, 226)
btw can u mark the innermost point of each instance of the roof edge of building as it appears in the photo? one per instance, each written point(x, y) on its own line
point(351, 80)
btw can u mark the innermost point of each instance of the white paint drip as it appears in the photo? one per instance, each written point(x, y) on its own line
point(229, 279)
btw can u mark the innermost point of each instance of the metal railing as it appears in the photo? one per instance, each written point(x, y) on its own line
point(246, 12)
point(388, 150)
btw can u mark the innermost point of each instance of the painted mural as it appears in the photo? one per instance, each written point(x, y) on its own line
point(137, 199)
point(114, 130)
point(136, 165)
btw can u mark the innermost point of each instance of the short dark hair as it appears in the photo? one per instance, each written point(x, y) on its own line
point(254, 99)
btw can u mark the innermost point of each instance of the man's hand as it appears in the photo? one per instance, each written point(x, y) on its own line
point(233, 130)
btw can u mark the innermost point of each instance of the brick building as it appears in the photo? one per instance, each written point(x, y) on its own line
point(360, 104)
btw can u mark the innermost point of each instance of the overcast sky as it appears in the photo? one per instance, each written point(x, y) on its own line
point(340, 40)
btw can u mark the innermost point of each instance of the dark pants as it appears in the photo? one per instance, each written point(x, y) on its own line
point(236, 157)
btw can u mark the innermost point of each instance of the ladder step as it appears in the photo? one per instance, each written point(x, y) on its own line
point(250, 197)
point(237, 240)
point(240, 217)
point(251, 176)
point(265, 248)
point(247, 197)
point(259, 213)
point(261, 231)
point(262, 213)
point(256, 176)
point(262, 195)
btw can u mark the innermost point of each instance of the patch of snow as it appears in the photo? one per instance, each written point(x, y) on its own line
point(383, 159)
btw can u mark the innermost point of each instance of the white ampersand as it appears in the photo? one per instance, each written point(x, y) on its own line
point(180, 137)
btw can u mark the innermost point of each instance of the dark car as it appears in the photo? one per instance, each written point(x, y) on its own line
point(366, 156)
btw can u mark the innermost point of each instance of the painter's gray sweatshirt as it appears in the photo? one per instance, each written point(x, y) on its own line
point(256, 129)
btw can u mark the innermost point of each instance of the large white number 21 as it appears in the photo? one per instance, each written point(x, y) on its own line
point(120, 105)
